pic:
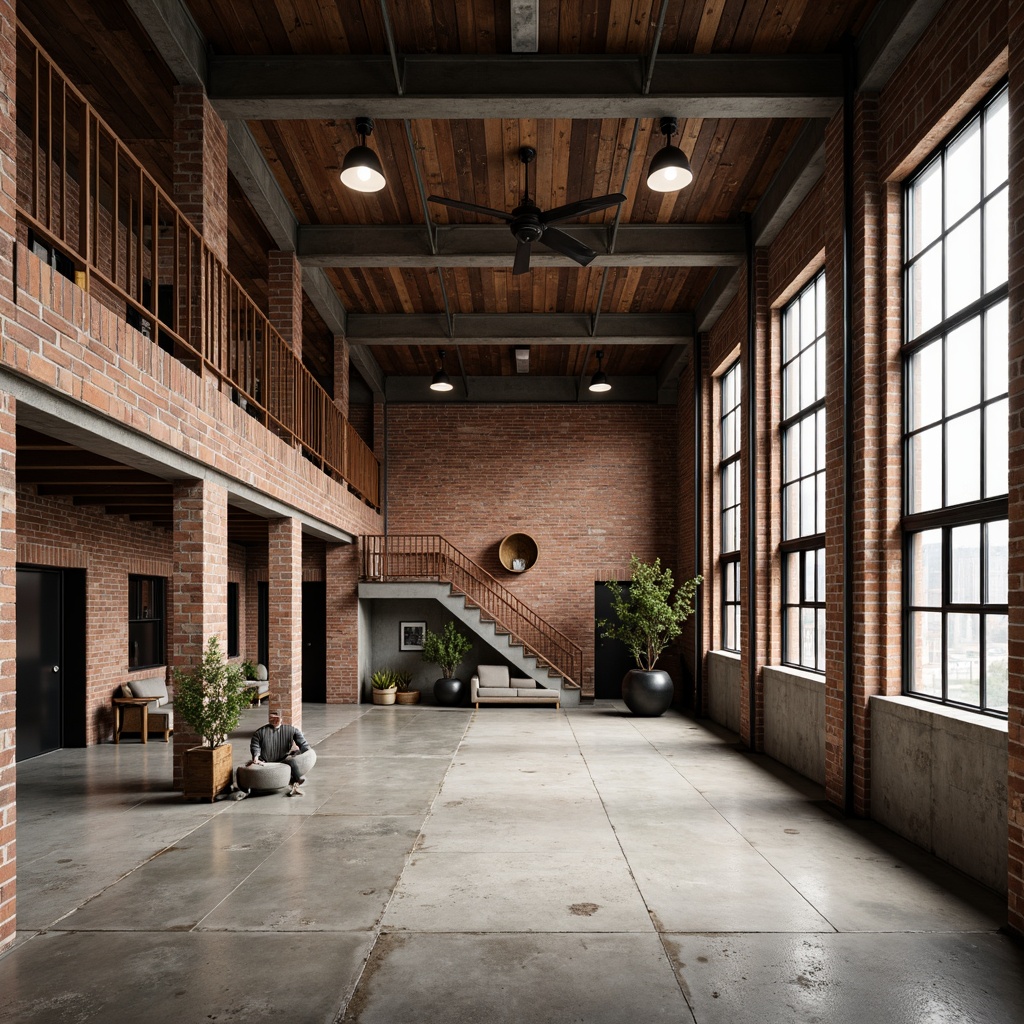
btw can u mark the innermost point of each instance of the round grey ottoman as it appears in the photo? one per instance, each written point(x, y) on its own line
point(263, 777)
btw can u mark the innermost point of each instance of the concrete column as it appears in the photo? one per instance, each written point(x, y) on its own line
point(341, 374)
point(199, 588)
point(342, 575)
point(201, 167)
point(284, 297)
point(1015, 780)
point(284, 575)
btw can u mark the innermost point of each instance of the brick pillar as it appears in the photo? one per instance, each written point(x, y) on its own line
point(342, 573)
point(341, 373)
point(756, 635)
point(8, 545)
point(284, 297)
point(284, 575)
point(199, 588)
point(201, 167)
point(1015, 780)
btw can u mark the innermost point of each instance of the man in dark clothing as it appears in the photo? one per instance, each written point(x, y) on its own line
point(276, 742)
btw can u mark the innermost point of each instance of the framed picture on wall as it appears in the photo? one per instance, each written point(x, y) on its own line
point(411, 636)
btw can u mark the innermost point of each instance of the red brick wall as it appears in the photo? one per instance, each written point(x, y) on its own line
point(284, 574)
point(284, 297)
point(342, 576)
point(591, 484)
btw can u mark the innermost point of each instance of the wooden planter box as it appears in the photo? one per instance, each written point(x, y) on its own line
point(206, 772)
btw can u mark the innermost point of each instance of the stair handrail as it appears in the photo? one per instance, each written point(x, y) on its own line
point(389, 557)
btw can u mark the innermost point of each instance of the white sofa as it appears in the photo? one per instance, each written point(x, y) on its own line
point(493, 684)
point(161, 713)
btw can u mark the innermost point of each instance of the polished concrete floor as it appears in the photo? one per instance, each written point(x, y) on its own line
point(515, 864)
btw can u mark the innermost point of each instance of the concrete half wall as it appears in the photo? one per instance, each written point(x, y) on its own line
point(723, 685)
point(794, 720)
point(938, 778)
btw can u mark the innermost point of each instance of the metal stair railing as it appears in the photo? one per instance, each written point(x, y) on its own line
point(389, 558)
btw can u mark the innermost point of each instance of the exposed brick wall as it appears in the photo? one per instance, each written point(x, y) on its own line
point(591, 484)
point(342, 379)
point(342, 576)
point(798, 251)
point(284, 297)
point(284, 575)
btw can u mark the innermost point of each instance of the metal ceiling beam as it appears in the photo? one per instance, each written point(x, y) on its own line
point(512, 328)
point(446, 86)
point(670, 371)
point(483, 245)
point(528, 388)
point(891, 32)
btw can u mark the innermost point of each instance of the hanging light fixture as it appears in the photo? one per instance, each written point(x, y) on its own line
point(362, 170)
point(669, 170)
point(441, 381)
point(599, 382)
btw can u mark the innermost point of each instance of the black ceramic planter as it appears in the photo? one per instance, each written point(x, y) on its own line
point(449, 692)
point(647, 693)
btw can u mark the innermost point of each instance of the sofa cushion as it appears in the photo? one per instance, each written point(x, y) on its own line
point(496, 691)
point(155, 688)
point(537, 692)
point(522, 683)
point(492, 675)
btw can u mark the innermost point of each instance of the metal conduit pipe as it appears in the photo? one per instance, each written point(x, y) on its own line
point(750, 371)
point(698, 526)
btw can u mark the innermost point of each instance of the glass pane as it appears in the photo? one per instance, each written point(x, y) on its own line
point(997, 246)
point(808, 641)
point(963, 446)
point(963, 264)
point(792, 588)
point(819, 484)
point(820, 659)
point(997, 458)
point(963, 367)
point(792, 652)
point(808, 378)
point(995, 662)
point(924, 404)
point(728, 400)
point(808, 507)
point(819, 310)
point(924, 470)
point(729, 573)
point(791, 331)
point(996, 561)
point(820, 430)
point(791, 389)
point(729, 532)
point(926, 653)
point(965, 568)
point(924, 291)
point(808, 446)
point(996, 142)
point(728, 484)
point(730, 630)
point(963, 172)
point(791, 453)
point(807, 317)
point(925, 208)
point(809, 577)
point(926, 568)
point(820, 558)
point(791, 511)
point(819, 357)
point(996, 357)
point(963, 658)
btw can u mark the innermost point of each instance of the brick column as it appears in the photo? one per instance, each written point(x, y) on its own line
point(199, 587)
point(201, 167)
point(8, 676)
point(1015, 780)
point(284, 575)
point(284, 297)
point(342, 573)
point(341, 373)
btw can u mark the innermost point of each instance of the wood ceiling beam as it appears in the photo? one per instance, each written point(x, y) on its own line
point(446, 86)
point(485, 245)
point(511, 328)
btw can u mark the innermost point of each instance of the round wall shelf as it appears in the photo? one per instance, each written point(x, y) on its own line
point(518, 552)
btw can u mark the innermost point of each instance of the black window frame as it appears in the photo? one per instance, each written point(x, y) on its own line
point(154, 621)
point(232, 644)
point(729, 560)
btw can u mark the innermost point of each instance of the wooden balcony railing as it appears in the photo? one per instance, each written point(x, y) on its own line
point(93, 210)
point(393, 557)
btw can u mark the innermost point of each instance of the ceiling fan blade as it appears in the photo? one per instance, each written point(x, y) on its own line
point(522, 263)
point(457, 204)
point(568, 246)
point(582, 207)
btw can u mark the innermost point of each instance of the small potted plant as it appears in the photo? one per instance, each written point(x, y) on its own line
point(447, 649)
point(384, 686)
point(210, 699)
point(649, 618)
point(406, 694)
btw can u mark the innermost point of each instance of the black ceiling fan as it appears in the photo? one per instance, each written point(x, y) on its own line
point(529, 223)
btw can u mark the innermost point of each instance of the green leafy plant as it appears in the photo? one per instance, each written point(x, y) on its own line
point(403, 680)
point(383, 679)
point(446, 649)
point(248, 669)
point(650, 618)
point(212, 697)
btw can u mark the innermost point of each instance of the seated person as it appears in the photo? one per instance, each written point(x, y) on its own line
point(274, 742)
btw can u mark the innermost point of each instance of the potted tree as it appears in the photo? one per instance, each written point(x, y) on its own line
point(384, 686)
point(210, 699)
point(447, 649)
point(406, 694)
point(649, 619)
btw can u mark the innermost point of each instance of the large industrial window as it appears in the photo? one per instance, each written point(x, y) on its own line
point(145, 621)
point(729, 498)
point(955, 420)
point(803, 478)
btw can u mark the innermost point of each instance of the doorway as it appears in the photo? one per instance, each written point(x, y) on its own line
point(612, 659)
point(314, 642)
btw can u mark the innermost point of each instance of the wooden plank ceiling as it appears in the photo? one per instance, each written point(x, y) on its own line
point(475, 160)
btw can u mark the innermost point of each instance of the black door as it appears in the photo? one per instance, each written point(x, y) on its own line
point(263, 623)
point(39, 684)
point(612, 660)
point(314, 642)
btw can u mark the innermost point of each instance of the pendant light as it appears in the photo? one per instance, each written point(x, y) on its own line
point(362, 170)
point(669, 170)
point(441, 381)
point(599, 382)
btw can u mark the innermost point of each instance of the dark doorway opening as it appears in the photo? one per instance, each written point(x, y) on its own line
point(263, 623)
point(612, 659)
point(314, 642)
